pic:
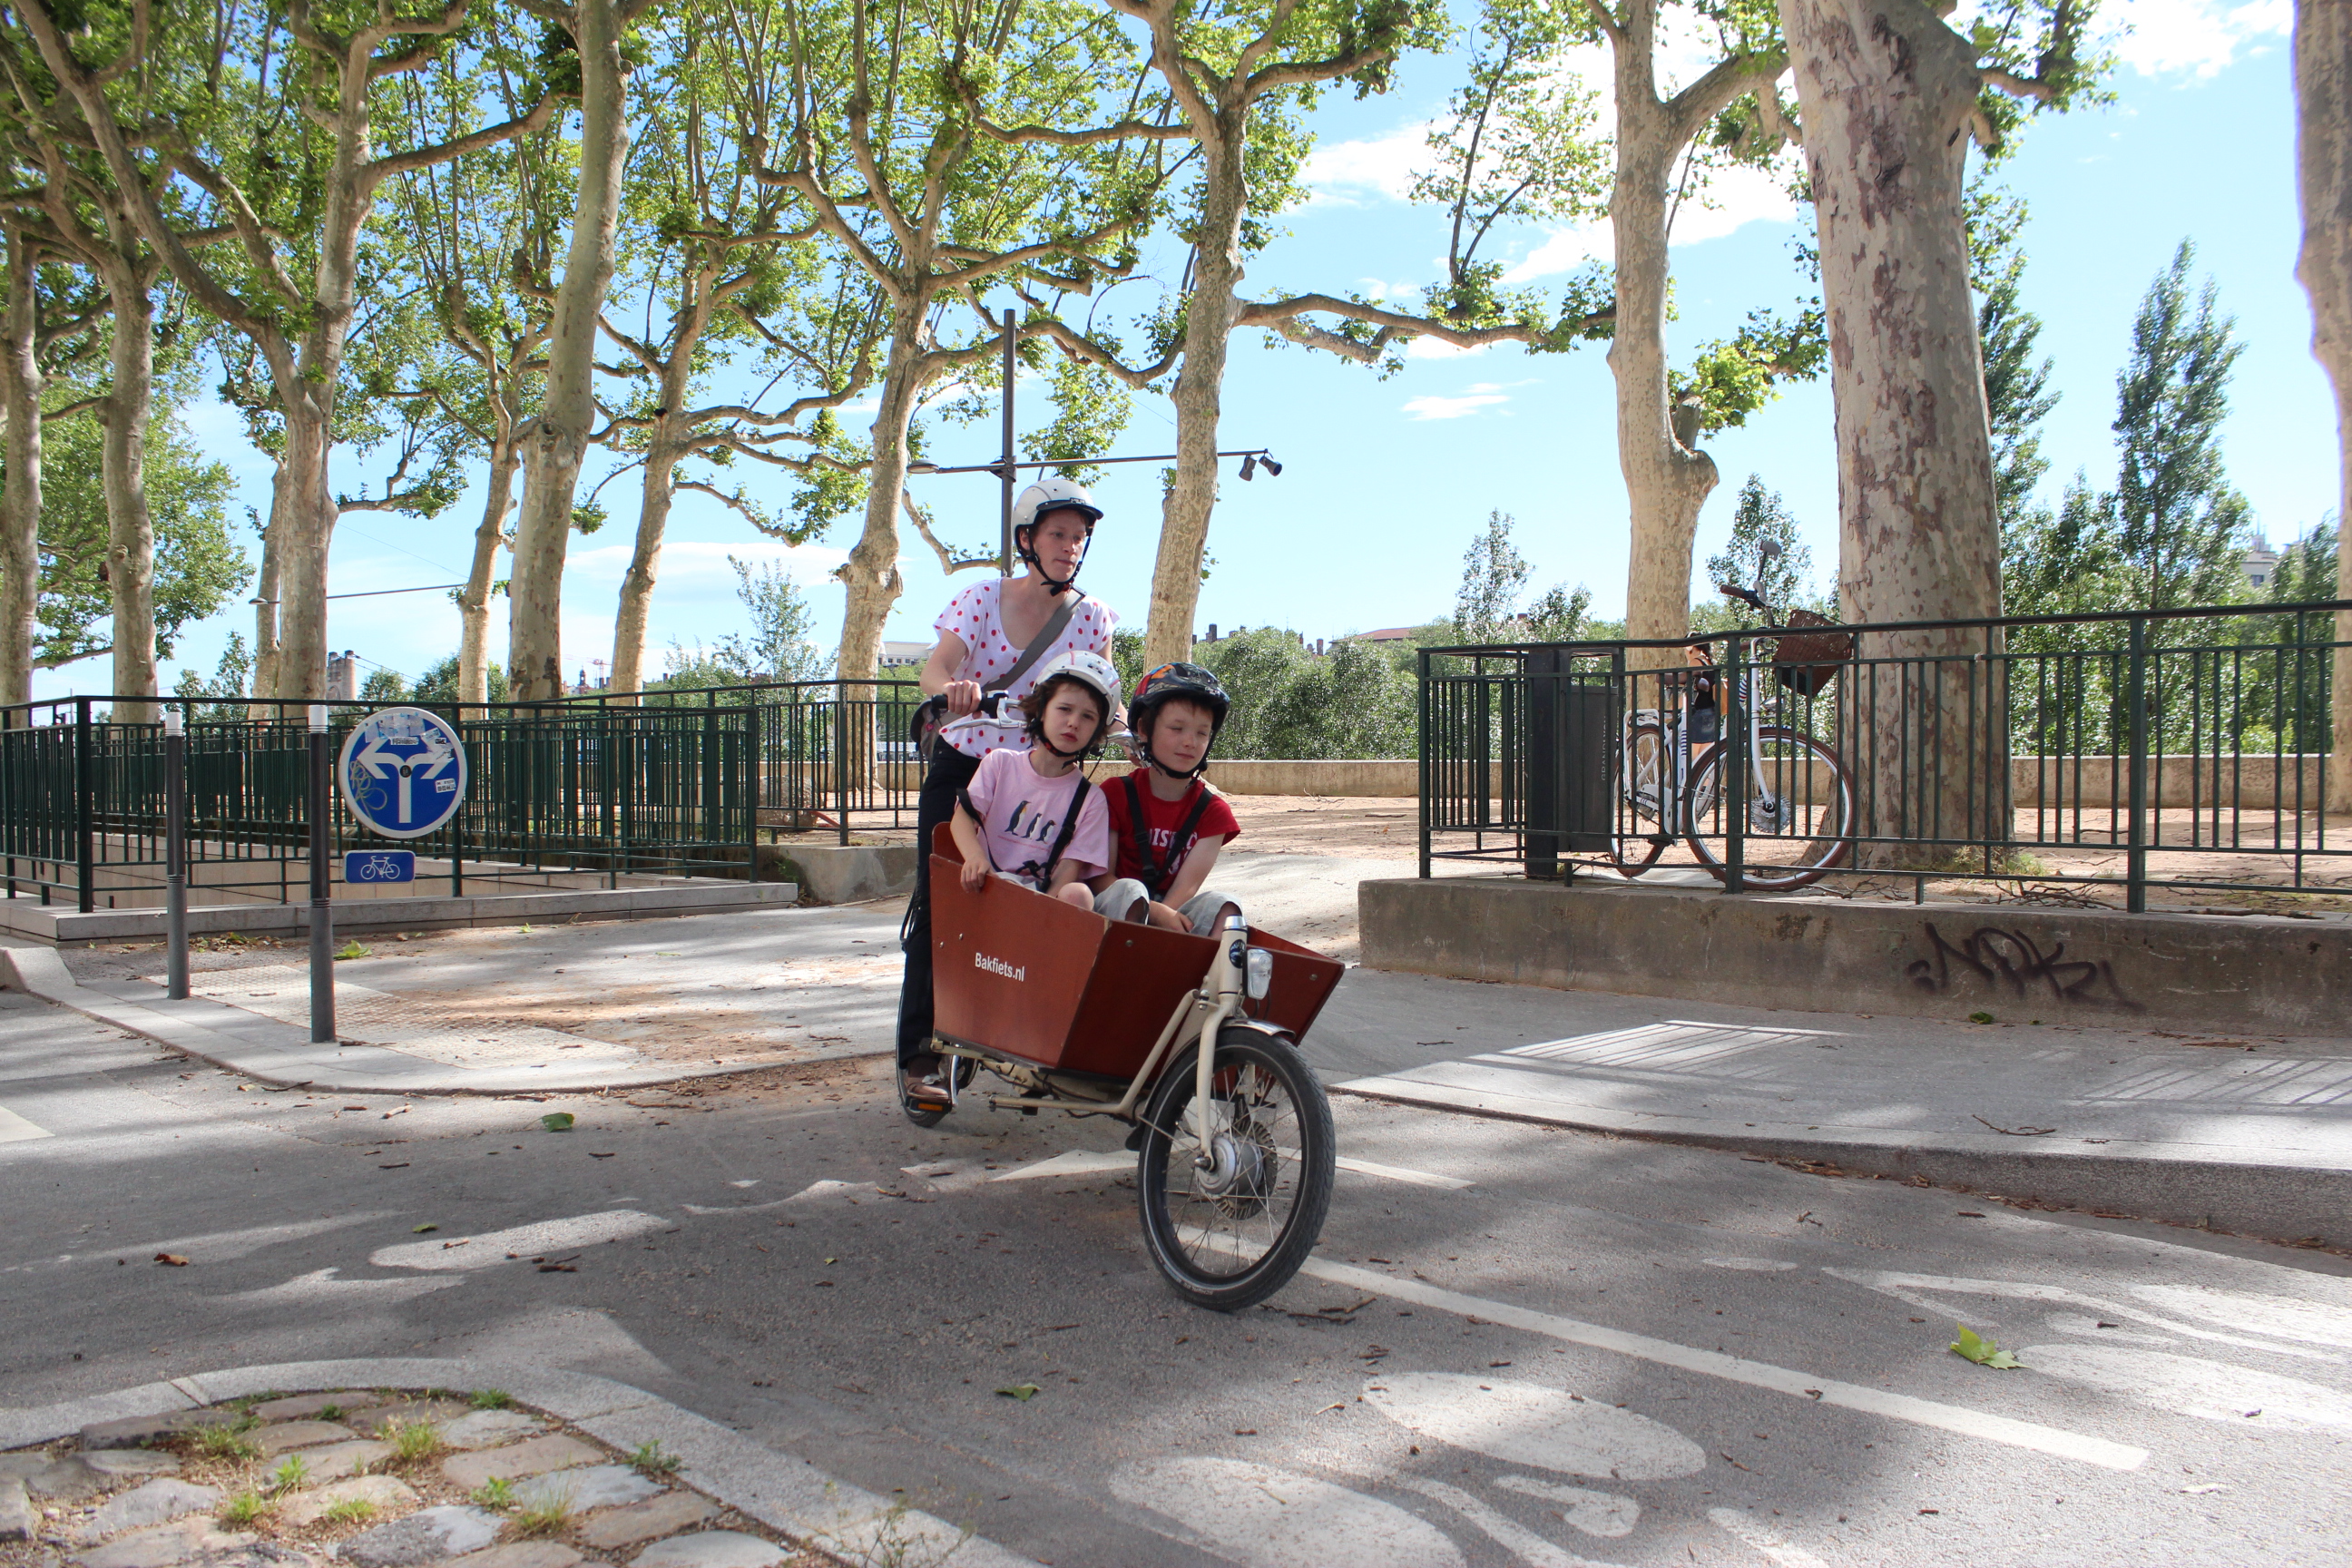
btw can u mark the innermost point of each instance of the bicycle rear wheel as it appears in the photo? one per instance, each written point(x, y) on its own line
point(1640, 829)
point(1801, 820)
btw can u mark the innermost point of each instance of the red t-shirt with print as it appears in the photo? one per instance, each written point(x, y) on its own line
point(1161, 818)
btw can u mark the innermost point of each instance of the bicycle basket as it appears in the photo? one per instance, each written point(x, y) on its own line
point(1807, 661)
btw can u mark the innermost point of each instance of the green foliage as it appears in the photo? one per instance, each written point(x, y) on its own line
point(291, 1472)
point(778, 648)
point(1486, 605)
point(496, 1494)
point(243, 1510)
point(1090, 409)
point(197, 567)
point(2181, 527)
point(1289, 702)
point(547, 1517)
point(384, 685)
point(490, 1399)
point(655, 1462)
point(1733, 377)
point(227, 687)
point(351, 1510)
point(439, 682)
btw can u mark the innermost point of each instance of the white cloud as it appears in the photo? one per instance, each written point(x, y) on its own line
point(1354, 173)
point(2169, 38)
point(1477, 400)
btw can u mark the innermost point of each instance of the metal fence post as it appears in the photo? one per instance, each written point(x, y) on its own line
point(1730, 711)
point(2136, 808)
point(322, 927)
point(1421, 658)
point(85, 804)
point(175, 856)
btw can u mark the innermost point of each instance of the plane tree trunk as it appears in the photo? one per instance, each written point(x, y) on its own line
point(2323, 89)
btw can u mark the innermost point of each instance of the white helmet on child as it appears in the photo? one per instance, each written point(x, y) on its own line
point(1078, 663)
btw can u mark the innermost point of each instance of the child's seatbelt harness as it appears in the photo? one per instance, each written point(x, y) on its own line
point(1040, 874)
point(1155, 876)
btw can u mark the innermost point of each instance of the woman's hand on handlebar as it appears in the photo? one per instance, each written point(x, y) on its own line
point(963, 697)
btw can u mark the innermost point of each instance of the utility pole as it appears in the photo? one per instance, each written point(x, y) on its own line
point(1005, 471)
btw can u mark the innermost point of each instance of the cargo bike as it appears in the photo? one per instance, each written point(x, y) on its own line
point(1192, 1041)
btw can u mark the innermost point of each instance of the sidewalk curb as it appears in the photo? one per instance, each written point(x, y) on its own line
point(787, 1494)
point(2266, 1199)
point(294, 1061)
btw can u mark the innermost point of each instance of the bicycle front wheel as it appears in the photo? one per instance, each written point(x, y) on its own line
point(1233, 1195)
point(1644, 803)
point(1799, 811)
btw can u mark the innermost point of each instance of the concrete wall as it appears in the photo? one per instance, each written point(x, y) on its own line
point(1387, 780)
point(2260, 973)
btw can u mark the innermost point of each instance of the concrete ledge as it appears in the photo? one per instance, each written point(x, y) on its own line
point(2246, 1194)
point(65, 928)
point(1385, 780)
point(845, 874)
point(1934, 961)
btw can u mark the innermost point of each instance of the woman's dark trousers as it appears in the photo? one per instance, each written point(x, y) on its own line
point(950, 772)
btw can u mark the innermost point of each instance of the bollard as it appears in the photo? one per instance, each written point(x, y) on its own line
point(175, 855)
point(323, 925)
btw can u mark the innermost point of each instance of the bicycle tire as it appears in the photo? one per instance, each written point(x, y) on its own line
point(1636, 852)
point(1253, 1187)
point(1823, 852)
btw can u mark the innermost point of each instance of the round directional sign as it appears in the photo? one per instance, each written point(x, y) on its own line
point(403, 772)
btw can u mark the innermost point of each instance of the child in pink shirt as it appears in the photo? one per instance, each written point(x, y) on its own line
point(1030, 816)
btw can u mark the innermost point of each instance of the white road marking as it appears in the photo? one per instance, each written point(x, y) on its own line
point(1513, 1536)
point(491, 1248)
point(1261, 1516)
point(14, 1129)
point(2192, 1385)
point(1398, 1173)
point(1596, 1514)
point(323, 1287)
point(2283, 1316)
point(1908, 1288)
point(1749, 1265)
point(1771, 1542)
point(1071, 1163)
point(1528, 1424)
point(1738, 1369)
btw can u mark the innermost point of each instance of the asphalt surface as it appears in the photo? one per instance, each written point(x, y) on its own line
point(1597, 1351)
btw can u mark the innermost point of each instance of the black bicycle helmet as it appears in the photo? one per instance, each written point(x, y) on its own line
point(1192, 683)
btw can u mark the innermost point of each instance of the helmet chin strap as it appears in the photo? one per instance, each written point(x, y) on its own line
point(1029, 559)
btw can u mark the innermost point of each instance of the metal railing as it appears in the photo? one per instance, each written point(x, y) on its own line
point(2188, 748)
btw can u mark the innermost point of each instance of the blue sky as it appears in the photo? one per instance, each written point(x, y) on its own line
point(1386, 481)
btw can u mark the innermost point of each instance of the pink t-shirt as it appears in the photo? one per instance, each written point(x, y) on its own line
point(1020, 814)
point(973, 615)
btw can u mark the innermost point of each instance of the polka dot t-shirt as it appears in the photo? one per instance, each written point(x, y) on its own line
point(973, 615)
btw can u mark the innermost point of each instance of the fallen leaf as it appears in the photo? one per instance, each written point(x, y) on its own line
point(1238, 1431)
point(1970, 1213)
point(558, 1269)
point(421, 1229)
point(401, 1165)
point(171, 1259)
point(596, 1156)
point(557, 1121)
point(1023, 1392)
point(1980, 1017)
point(1971, 1346)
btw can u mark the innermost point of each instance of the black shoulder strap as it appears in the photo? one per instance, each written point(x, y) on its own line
point(1062, 839)
point(1159, 875)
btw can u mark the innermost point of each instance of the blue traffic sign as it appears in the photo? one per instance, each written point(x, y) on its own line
point(403, 772)
point(379, 866)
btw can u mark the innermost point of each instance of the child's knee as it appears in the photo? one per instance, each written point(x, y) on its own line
point(1078, 894)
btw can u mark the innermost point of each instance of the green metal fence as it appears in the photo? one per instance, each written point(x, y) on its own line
point(554, 788)
point(2188, 748)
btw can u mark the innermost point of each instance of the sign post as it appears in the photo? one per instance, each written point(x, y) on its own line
point(323, 918)
point(175, 855)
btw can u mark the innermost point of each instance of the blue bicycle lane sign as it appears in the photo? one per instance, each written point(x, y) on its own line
point(403, 772)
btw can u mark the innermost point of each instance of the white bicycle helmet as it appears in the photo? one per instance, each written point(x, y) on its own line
point(1053, 494)
point(1091, 670)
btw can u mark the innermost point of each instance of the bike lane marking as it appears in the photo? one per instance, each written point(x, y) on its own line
point(14, 1129)
point(1089, 1162)
point(1738, 1369)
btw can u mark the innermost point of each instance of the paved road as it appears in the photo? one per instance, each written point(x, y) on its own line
point(1517, 1345)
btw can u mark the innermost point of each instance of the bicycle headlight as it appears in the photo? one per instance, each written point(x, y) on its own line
point(1259, 972)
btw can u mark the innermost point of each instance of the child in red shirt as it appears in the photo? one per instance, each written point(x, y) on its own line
point(1166, 826)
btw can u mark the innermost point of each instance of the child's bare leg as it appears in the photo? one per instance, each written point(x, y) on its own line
point(1076, 894)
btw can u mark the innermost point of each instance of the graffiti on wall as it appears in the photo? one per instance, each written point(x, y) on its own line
point(2015, 962)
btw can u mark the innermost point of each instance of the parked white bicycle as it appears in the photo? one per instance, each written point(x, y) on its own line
point(1799, 797)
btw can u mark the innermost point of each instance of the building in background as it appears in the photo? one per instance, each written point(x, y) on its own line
point(2262, 560)
point(342, 676)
